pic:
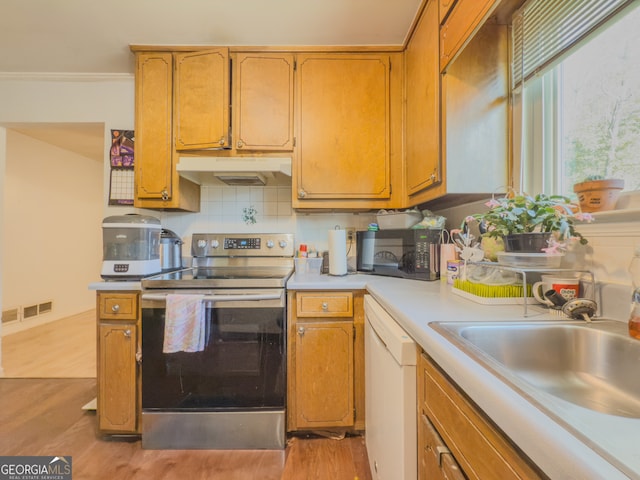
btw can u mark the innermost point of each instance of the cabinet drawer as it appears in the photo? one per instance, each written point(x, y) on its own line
point(324, 304)
point(123, 306)
point(479, 447)
point(436, 459)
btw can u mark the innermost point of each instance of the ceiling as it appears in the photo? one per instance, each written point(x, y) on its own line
point(93, 37)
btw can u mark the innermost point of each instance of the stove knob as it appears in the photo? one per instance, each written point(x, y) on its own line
point(282, 243)
point(215, 244)
point(202, 243)
point(269, 243)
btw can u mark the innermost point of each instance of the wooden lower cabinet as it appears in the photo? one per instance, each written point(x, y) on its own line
point(325, 360)
point(118, 407)
point(435, 460)
point(456, 439)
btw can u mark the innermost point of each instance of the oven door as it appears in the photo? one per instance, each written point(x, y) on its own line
point(243, 362)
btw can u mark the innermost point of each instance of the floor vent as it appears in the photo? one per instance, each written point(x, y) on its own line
point(45, 307)
point(30, 312)
point(11, 315)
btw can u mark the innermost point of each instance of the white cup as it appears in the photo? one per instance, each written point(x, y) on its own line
point(568, 287)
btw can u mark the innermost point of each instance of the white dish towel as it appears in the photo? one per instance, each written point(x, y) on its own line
point(184, 327)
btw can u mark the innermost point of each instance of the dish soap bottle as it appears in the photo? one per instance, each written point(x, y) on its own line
point(634, 317)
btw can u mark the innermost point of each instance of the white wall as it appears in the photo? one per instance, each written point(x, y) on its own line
point(52, 241)
point(66, 99)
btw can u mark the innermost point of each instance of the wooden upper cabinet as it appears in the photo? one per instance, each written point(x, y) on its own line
point(465, 18)
point(423, 104)
point(342, 115)
point(263, 101)
point(444, 8)
point(153, 112)
point(157, 184)
point(201, 99)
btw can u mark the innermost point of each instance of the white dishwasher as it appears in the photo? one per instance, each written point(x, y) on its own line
point(390, 396)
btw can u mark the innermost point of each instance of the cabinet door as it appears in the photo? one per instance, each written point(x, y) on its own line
point(466, 16)
point(324, 374)
point(342, 105)
point(201, 99)
point(423, 104)
point(153, 157)
point(117, 399)
point(263, 102)
point(445, 8)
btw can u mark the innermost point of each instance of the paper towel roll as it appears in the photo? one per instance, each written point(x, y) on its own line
point(337, 252)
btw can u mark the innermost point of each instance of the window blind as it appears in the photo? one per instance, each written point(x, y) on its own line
point(543, 30)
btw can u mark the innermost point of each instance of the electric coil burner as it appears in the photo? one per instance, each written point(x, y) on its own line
point(231, 393)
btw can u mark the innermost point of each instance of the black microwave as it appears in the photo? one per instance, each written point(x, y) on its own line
point(402, 253)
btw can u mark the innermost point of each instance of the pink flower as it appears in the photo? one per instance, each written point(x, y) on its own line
point(584, 217)
point(492, 203)
point(555, 248)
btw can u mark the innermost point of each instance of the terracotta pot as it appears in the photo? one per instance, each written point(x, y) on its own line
point(532, 242)
point(598, 195)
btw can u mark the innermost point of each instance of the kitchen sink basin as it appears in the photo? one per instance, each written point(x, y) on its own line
point(593, 365)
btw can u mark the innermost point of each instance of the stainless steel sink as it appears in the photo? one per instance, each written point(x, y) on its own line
point(593, 365)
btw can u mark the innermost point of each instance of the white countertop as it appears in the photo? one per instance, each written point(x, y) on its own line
point(116, 285)
point(560, 453)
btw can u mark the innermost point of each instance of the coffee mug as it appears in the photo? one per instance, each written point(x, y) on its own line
point(568, 287)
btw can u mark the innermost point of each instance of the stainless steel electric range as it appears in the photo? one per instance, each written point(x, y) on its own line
point(228, 391)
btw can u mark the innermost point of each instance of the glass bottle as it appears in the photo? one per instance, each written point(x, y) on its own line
point(634, 317)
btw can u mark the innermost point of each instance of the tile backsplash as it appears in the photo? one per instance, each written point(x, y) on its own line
point(257, 209)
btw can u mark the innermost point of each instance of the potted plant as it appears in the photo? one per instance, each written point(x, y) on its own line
point(597, 193)
point(531, 223)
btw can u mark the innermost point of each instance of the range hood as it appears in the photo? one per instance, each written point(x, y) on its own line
point(236, 170)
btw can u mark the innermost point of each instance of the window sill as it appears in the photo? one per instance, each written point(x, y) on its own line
point(616, 216)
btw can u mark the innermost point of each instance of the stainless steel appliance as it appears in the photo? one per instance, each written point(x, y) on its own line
point(405, 253)
point(170, 251)
point(130, 246)
point(230, 394)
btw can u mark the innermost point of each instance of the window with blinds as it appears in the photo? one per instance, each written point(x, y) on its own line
point(545, 30)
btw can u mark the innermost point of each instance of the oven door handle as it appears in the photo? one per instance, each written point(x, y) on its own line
point(220, 298)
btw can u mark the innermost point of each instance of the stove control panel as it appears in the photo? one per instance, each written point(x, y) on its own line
point(240, 244)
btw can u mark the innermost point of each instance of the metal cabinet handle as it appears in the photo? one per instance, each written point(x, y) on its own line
point(302, 193)
point(127, 333)
point(325, 306)
point(115, 308)
point(240, 144)
point(165, 195)
point(301, 331)
point(222, 140)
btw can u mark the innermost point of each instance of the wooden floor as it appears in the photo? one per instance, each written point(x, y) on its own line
point(45, 417)
point(65, 348)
